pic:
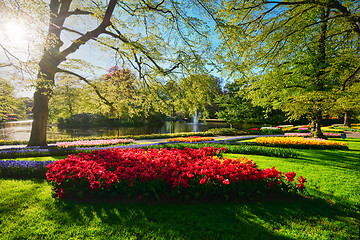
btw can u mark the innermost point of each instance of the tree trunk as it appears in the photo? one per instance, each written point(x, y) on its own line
point(41, 113)
point(347, 119)
point(316, 125)
point(313, 126)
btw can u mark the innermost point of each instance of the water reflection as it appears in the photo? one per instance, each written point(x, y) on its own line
point(20, 130)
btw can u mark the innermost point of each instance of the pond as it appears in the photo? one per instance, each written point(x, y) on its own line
point(20, 130)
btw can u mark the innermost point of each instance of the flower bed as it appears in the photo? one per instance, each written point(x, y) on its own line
point(136, 137)
point(238, 148)
point(336, 135)
point(90, 143)
point(190, 139)
point(51, 151)
point(297, 134)
point(309, 134)
point(23, 169)
point(300, 142)
point(165, 173)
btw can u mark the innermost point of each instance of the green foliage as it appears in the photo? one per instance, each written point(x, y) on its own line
point(225, 131)
point(348, 101)
point(69, 98)
point(9, 104)
point(265, 131)
point(126, 93)
point(294, 57)
point(82, 120)
point(196, 94)
point(236, 108)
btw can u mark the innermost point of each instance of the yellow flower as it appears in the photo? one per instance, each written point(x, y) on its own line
point(296, 141)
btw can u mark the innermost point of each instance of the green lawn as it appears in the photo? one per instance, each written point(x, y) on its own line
point(330, 210)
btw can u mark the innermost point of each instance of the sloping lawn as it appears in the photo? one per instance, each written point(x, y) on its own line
point(329, 210)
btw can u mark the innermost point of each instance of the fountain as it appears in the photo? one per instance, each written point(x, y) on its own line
point(195, 118)
point(195, 121)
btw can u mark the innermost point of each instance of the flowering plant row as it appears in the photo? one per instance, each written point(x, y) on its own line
point(242, 148)
point(23, 169)
point(88, 143)
point(136, 137)
point(190, 139)
point(300, 142)
point(249, 148)
point(163, 173)
point(309, 134)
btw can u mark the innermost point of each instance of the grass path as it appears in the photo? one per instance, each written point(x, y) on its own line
point(28, 211)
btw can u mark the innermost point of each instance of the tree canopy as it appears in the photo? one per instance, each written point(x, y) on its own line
point(294, 55)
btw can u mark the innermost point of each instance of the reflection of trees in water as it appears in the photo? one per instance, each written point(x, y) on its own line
point(21, 130)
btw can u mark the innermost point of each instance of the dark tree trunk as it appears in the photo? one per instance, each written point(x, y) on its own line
point(41, 113)
point(316, 125)
point(313, 126)
point(41, 103)
point(347, 119)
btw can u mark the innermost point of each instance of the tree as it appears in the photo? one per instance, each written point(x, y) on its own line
point(154, 38)
point(68, 98)
point(195, 95)
point(348, 104)
point(293, 54)
point(6, 99)
point(122, 88)
point(236, 108)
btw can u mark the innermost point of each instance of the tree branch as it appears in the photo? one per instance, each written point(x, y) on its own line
point(111, 105)
point(76, 12)
point(351, 77)
point(137, 46)
point(92, 34)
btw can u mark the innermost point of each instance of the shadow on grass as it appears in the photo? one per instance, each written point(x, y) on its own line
point(280, 219)
point(342, 159)
point(245, 220)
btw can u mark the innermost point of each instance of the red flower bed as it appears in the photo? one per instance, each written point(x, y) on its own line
point(195, 172)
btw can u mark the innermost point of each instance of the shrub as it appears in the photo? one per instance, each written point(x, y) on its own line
point(271, 131)
point(160, 173)
point(81, 120)
point(225, 131)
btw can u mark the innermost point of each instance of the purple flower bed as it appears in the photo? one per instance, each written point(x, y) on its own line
point(23, 169)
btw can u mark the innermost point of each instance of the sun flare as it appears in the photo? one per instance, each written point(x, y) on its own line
point(15, 32)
